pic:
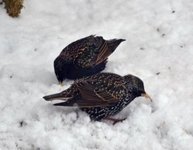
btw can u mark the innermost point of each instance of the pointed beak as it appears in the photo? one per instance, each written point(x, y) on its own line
point(147, 96)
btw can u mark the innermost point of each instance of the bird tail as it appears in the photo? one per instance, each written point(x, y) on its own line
point(57, 96)
point(64, 95)
point(114, 43)
point(67, 103)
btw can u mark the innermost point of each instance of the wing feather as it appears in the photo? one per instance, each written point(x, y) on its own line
point(93, 96)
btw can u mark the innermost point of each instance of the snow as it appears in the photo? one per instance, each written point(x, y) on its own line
point(158, 49)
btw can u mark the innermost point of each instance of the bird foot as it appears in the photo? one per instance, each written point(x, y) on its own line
point(115, 120)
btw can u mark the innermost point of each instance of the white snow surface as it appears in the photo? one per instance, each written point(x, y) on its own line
point(158, 49)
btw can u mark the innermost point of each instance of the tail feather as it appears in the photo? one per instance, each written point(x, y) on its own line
point(68, 103)
point(114, 43)
point(64, 95)
point(57, 96)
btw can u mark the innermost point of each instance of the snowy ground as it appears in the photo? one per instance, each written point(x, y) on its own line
point(159, 49)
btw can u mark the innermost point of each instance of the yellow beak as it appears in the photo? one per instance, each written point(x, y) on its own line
point(147, 96)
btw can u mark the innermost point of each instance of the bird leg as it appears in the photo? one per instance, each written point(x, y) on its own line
point(115, 120)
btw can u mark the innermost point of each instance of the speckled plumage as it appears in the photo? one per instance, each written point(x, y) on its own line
point(84, 57)
point(101, 95)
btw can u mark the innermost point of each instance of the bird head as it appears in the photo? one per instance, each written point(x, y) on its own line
point(136, 86)
point(60, 69)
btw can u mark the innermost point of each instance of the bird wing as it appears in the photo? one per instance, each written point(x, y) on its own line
point(94, 53)
point(75, 49)
point(106, 49)
point(89, 51)
point(91, 55)
point(102, 94)
point(97, 51)
point(103, 54)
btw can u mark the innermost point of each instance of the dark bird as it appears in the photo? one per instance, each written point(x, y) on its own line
point(101, 95)
point(84, 57)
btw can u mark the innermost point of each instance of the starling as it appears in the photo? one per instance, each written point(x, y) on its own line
point(101, 95)
point(84, 57)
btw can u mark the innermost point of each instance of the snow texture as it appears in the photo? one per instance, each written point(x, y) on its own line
point(158, 49)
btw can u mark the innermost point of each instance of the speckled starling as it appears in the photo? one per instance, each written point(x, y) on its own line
point(101, 95)
point(84, 57)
